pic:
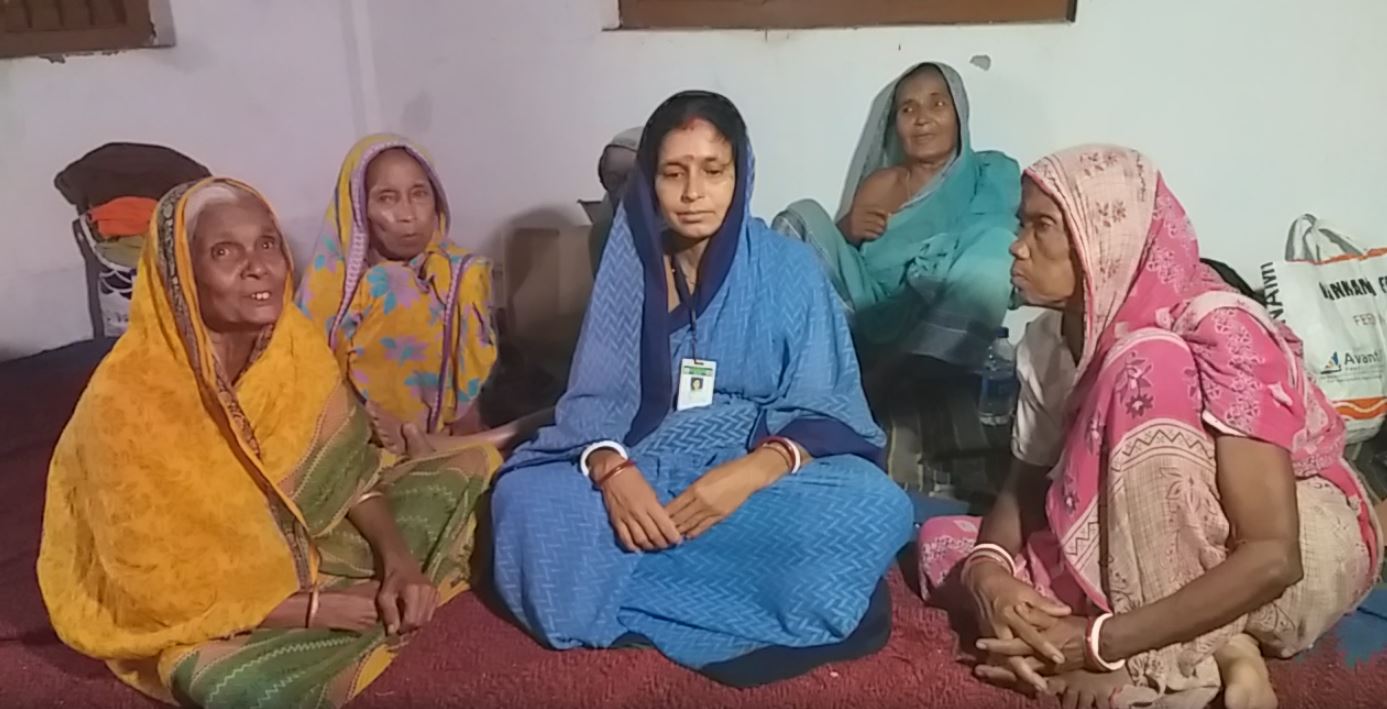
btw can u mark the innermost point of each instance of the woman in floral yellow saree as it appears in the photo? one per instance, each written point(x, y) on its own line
point(218, 528)
point(407, 311)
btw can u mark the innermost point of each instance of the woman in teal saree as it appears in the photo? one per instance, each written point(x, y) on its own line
point(919, 255)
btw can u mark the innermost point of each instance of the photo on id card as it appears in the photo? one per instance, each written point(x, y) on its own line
point(696, 380)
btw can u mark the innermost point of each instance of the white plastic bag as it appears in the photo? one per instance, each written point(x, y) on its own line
point(1332, 295)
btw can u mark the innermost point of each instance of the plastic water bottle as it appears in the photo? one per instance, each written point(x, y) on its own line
point(997, 397)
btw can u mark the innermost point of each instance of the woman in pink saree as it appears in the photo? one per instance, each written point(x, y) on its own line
point(1179, 505)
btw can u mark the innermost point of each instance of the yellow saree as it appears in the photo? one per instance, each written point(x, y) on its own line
point(182, 509)
point(414, 338)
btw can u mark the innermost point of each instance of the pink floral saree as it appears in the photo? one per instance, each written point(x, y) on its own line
point(1171, 358)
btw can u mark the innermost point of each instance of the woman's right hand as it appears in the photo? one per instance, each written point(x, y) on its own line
point(1007, 608)
point(865, 223)
point(637, 517)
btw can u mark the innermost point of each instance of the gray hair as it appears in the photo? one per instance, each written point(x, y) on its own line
point(210, 195)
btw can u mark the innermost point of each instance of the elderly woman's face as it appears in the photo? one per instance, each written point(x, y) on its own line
point(401, 208)
point(239, 266)
point(926, 118)
point(1046, 270)
point(695, 179)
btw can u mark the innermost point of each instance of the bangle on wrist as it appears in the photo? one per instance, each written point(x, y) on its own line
point(612, 446)
point(779, 452)
point(787, 449)
point(996, 552)
point(1091, 637)
point(600, 479)
point(312, 614)
point(992, 559)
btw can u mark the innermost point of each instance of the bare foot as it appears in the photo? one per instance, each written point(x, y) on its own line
point(1246, 684)
point(388, 429)
point(1082, 689)
point(416, 443)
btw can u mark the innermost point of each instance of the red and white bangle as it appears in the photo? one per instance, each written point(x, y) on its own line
point(995, 552)
point(786, 448)
point(612, 446)
point(1091, 637)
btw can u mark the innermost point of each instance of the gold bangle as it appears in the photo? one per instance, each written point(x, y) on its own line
point(369, 495)
point(312, 608)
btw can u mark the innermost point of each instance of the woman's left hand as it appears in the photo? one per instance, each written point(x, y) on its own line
point(716, 495)
point(1067, 634)
point(407, 599)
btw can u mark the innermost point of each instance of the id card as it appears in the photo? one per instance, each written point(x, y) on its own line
point(696, 379)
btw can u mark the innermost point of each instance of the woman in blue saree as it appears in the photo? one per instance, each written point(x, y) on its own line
point(741, 526)
point(919, 255)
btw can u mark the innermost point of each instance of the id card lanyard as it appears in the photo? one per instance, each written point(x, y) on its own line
point(681, 287)
point(697, 377)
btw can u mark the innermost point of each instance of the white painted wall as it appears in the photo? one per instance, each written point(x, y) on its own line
point(1257, 109)
point(261, 90)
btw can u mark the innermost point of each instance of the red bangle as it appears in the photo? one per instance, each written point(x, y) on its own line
point(599, 481)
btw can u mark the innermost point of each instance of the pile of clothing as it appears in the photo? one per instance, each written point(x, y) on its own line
point(115, 189)
point(119, 227)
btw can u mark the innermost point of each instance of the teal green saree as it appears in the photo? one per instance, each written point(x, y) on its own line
point(937, 282)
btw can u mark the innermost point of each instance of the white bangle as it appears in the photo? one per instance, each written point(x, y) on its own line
point(600, 445)
point(995, 551)
point(1095, 630)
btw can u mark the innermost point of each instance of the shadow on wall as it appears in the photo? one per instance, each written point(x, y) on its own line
point(545, 284)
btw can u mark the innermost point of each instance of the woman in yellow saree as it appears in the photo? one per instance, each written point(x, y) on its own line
point(218, 528)
point(407, 312)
